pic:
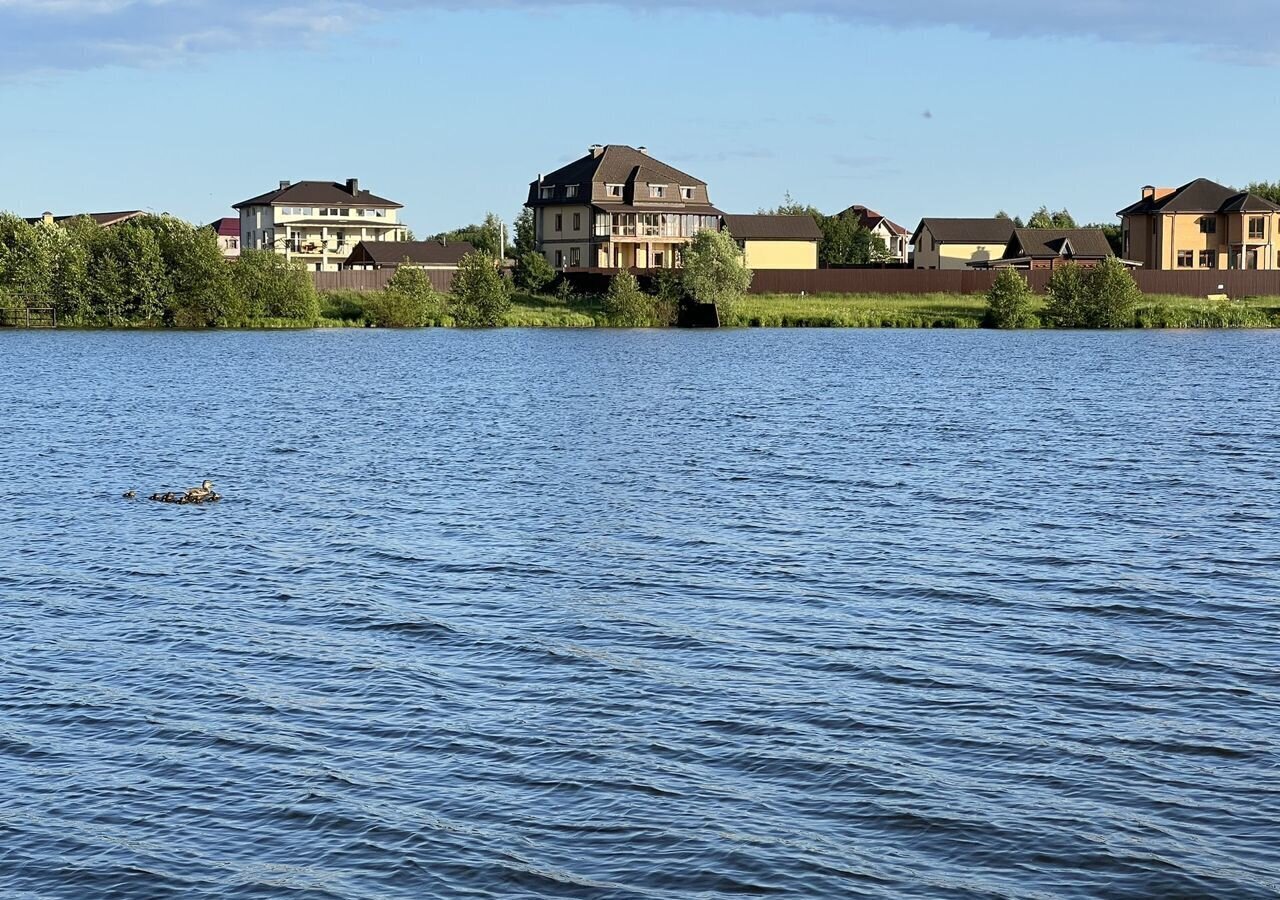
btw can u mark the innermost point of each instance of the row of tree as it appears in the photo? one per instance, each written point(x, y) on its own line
point(1104, 296)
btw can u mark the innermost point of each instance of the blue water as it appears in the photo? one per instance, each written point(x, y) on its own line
point(640, 615)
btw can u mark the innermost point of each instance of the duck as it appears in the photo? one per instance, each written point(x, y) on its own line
point(200, 494)
point(130, 495)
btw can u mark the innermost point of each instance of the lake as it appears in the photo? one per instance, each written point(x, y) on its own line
point(640, 614)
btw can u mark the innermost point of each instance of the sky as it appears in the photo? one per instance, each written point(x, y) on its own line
point(932, 107)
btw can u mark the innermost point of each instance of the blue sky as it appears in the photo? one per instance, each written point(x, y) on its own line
point(188, 106)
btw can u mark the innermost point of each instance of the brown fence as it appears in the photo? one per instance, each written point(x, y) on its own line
point(374, 280)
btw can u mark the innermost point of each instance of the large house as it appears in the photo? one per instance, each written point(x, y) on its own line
point(955, 243)
point(369, 255)
point(1048, 248)
point(776, 242)
point(1202, 225)
point(618, 207)
point(897, 240)
point(317, 222)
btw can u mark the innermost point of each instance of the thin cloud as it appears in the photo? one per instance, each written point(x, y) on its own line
point(81, 34)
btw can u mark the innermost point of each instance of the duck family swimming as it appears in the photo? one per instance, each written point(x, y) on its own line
point(203, 494)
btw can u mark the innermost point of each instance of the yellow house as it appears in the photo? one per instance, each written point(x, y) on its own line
point(1202, 225)
point(776, 242)
point(956, 243)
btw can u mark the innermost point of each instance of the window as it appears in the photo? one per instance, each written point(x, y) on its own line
point(1186, 259)
point(657, 191)
point(613, 190)
point(1257, 226)
point(686, 193)
point(1208, 225)
point(570, 191)
point(559, 259)
point(577, 221)
point(575, 257)
point(1208, 259)
point(547, 193)
point(559, 222)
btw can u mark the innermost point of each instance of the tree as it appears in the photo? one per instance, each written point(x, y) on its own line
point(1113, 296)
point(792, 207)
point(1067, 297)
point(1114, 235)
point(846, 243)
point(1042, 218)
point(271, 286)
point(147, 284)
point(202, 293)
point(485, 237)
point(1009, 302)
point(408, 301)
point(626, 305)
point(526, 233)
point(26, 258)
point(1268, 190)
point(714, 270)
point(1016, 220)
point(480, 297)
point(533, 272)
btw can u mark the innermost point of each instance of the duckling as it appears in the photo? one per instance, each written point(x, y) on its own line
point(130, 495)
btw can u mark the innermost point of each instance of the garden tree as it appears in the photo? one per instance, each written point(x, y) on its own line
point(792, 207)
point(1112, 296)
point(1268, 190)
point(1114, 235)
point(27, 258)
point(1042, 218)
point(480, 297)
point(526, 233)
point(270, 286)
point(146, 284)
point(201, 291)
point(106, 286)
point(714, 271)
point(1066, 298)
point(533, 273)
point(626, 305)
point(408, 301)
point(1009, 302)
point(485, 237)
point(846, 243)
point(1016, 220)
point(69, 281)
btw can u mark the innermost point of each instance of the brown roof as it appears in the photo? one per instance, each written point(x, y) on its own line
point(1201, 196)
point(1046, 243)
point(318, 193)
point(105, 219)
point(773, 228)
point(612, 164)
point(869, 219)
point(228, 226)
point(422, 253)
point(966, 231)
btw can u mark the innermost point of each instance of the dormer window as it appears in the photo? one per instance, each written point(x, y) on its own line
point(613, 190)
point(570, 191)
point(658, 191)
point(547, 193)
point(686, 193)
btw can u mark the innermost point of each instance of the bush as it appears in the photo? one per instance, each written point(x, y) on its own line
point(626, 306)
point(714, 271)
point(1067, 297)
point(1113, 296)
point(480, 297)
point(408, 301)
point(1009, 302)
point(668, 296)
point(344, 306)
point(273, 287)
point(533, 272)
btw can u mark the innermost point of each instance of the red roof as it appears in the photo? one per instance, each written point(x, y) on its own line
point(228, 227)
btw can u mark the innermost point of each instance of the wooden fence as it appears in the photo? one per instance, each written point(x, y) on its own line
point(1233, 283)
point(374, 280)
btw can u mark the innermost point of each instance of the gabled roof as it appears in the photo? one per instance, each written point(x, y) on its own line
point(318, 193)
point(1201, 196)
point(614, 164)
point(422, 253)
point(966, 231)
point(1046, 243)
point(869, 219)
point(773, 228)
point(105, 219)
point(226, 227)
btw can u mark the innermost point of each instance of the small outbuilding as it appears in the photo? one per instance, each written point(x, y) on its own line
point(776, 242)
point(1048, 248)
point(371, 255)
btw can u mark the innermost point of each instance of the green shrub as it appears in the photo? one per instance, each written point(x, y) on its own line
point(344, 306)
point(408, 301)
point(273, 287)
point(626, 306)
point(1009, 302)
point(533, 272)
point(480, 297)
point(1067, 297)
point(1112, 296)
point(714, 271)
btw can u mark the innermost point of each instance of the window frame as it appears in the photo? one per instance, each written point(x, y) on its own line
point(1186, 259)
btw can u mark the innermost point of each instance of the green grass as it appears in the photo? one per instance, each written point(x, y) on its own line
point(541, 311)
point(860, 311)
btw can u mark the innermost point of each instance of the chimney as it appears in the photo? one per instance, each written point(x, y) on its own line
point(283, 185)
point(353, 186)
point(596, 150)
point(644, 150)
point(1156, 193)
point(47, 217)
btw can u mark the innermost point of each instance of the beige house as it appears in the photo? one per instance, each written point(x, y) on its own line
point(228, 232)
point(618, 207)
point(1049, 248)
point(776, 242)
point(956, 243)
point(897, 240)
point(1202, 225)
point(317, 222)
